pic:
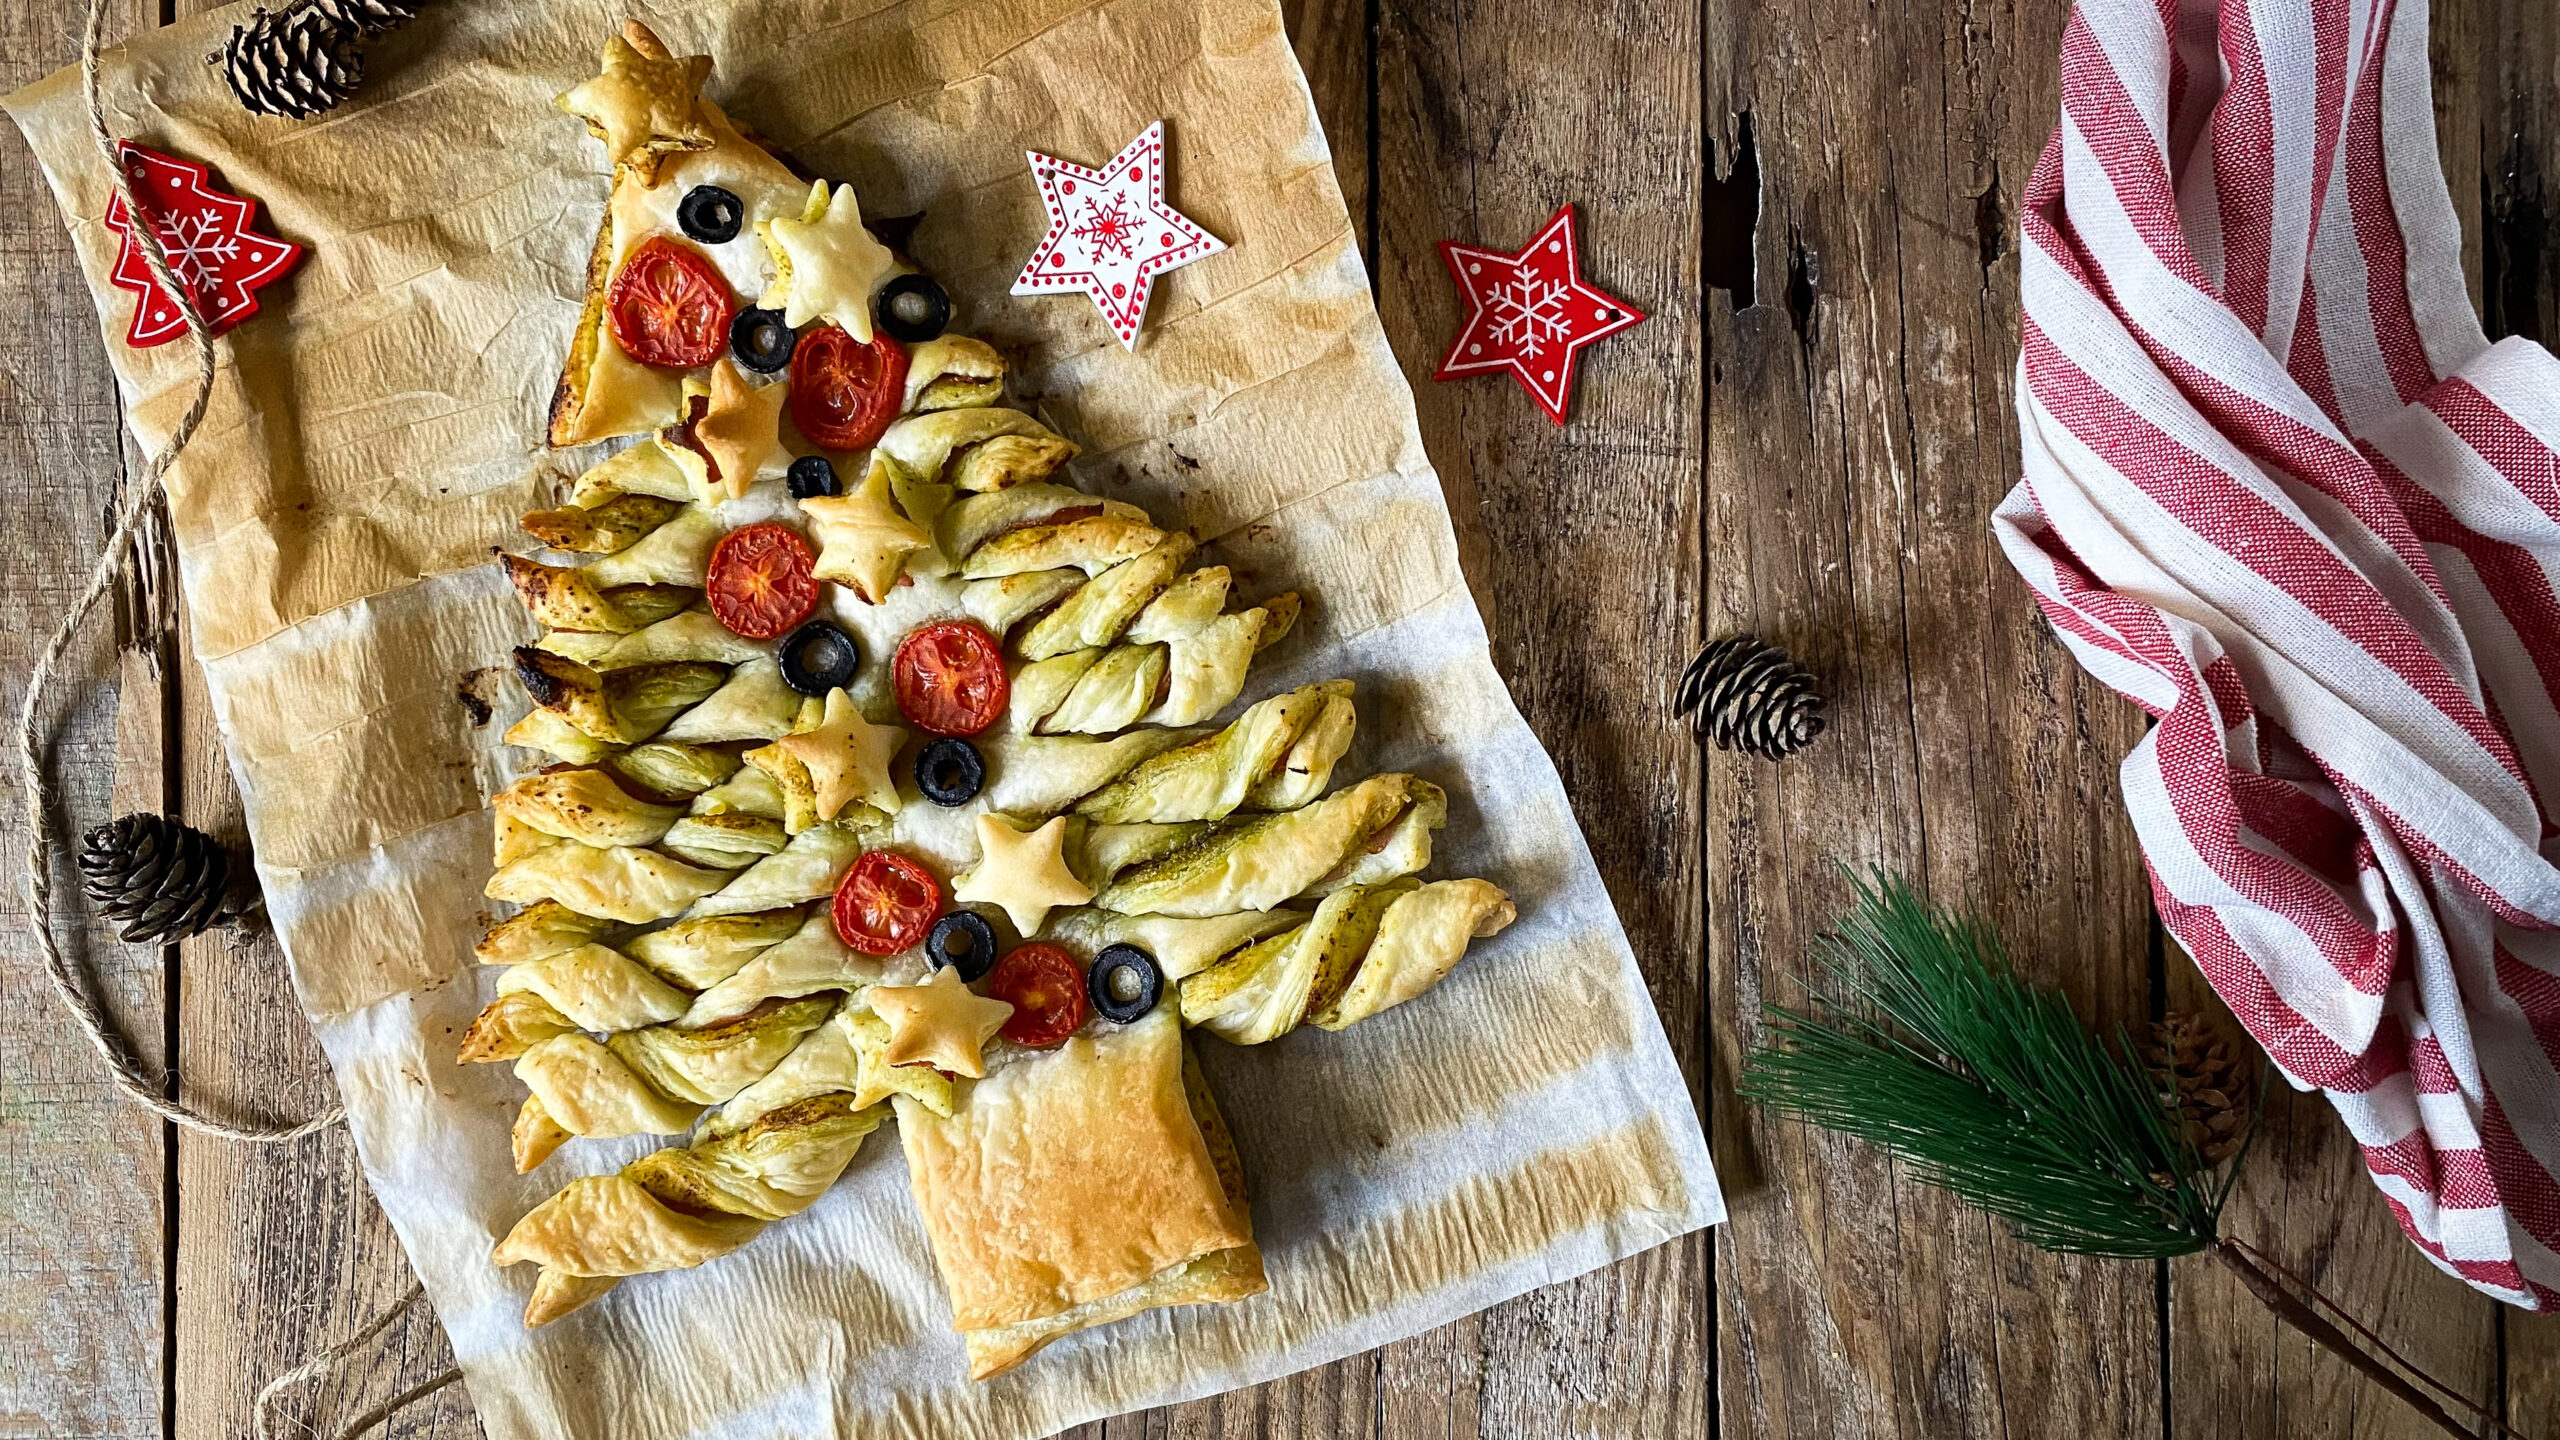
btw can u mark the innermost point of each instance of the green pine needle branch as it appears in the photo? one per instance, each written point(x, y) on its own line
point(1926, 1043)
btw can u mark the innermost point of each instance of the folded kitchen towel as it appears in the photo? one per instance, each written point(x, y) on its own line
point(2283, 493)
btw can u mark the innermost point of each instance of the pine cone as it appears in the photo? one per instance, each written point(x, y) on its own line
point(1749, 696)
point(371, 17)
point(154, 877)
point(2208, 1077)
point(295, 62)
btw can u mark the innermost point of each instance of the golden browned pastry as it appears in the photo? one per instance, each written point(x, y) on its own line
point(766, 1155)
point(1074, 1187)
point(678, 969)
point(1367, 948)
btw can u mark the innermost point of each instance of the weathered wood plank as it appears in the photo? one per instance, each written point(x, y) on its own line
point(2306, 1201)
point(82, 1252)
point(1860, 432)
point(1491, 115)
point(2518, 127)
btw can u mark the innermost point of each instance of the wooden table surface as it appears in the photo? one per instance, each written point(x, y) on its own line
point(1815, 459)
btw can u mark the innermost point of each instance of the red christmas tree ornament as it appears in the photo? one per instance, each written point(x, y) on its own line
point(1529, 312)
point(1110, 232)
point(212, 250)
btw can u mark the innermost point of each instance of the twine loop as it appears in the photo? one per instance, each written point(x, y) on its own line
point(124, 1066)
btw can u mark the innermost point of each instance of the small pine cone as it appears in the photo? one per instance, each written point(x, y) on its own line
point(295, 62)
point(2210, 1079)
point(155, 878)
point(371, 17)
point(1748, 696)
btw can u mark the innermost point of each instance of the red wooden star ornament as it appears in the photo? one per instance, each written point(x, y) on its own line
point(1111, 232)
point(1529, 312)
point(212, 249)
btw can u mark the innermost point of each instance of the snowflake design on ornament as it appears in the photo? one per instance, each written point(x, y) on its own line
point(215, 253)
point(1108, 231)
point(199, 248)
point(1111, 232)
point(1528, 312)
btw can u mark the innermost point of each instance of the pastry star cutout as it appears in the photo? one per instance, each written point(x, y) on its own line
point(645, 104)
point(864, 539)
point(1110, 232)
point(1528, 312)
point(847, 757)
point(741, 428)
point(1023, 871)
point(938, 1023)
point(829, 263)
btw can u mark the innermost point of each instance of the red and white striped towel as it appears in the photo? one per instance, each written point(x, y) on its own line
point(2282, 493)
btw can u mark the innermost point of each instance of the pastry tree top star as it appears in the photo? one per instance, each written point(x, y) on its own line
point(1111, 233)
point(644, 103)
point(1529, 313)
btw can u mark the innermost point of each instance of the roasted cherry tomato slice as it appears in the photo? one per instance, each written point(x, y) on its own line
point(1045, 987)
point(950, 678)
point(763, 580)
point(668, 307)
point(886, 904)
point(843, 392)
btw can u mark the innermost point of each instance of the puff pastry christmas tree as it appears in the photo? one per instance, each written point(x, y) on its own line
point(749, 922)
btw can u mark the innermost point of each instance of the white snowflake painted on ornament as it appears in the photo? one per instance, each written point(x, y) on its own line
point(199, 248)
point(1111, 233)
point(1528, 312)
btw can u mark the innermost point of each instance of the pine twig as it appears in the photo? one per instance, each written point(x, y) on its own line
point(1927, 1044)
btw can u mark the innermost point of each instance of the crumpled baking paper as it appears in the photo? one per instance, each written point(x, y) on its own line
point(378, 430)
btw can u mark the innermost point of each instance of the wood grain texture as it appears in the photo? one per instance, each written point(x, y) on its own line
point(1860, 432)
point(82, 1175)
point(1819, 467)
point(1582, 543)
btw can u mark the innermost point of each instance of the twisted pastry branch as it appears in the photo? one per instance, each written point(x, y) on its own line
point(1366, 949)
point(1113, 630)
point(767, 1155)
point(1277, 755)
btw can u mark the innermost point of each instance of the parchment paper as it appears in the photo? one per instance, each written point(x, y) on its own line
point(377, 430)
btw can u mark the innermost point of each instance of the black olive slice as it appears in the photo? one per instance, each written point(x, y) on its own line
point(761, 341)
point(710, 214)
point(950, 771)
point(1124, 983)
point(962, 941)
point(912, 309)
point(812, 476)
point(818, 657)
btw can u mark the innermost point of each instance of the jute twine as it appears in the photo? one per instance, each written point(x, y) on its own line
point(123, 1065)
